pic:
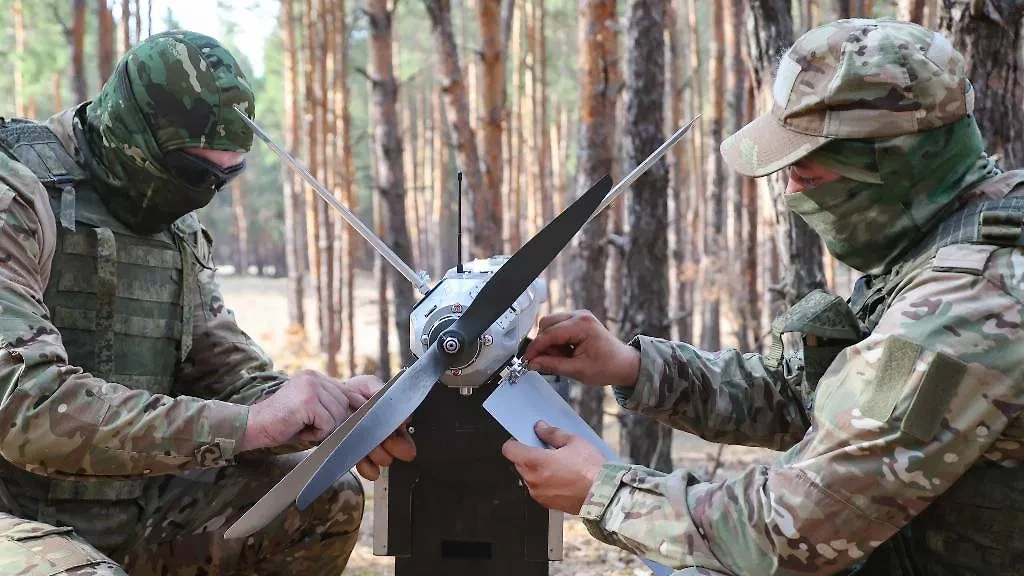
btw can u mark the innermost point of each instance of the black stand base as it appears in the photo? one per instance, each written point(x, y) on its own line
point(458, 508)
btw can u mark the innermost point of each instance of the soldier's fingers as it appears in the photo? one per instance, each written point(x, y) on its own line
point(552, 436)
point(553, 341)
point(551, 319)
point(380, 457)
point(368, 469)
point(519, 454)
point(400, 445)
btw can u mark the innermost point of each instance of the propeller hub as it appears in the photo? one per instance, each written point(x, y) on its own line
point(451, 343)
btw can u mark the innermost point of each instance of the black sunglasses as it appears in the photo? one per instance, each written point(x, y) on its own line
point(198, 172)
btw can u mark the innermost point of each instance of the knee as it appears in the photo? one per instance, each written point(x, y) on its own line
point(29, 547)
point(344, 504)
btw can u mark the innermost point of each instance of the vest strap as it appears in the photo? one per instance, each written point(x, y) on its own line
point(106, 291)
point(188, 294)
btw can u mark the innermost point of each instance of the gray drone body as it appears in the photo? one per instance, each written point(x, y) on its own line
point(497, 345)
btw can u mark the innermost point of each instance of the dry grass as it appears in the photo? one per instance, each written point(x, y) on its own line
point(260, 308)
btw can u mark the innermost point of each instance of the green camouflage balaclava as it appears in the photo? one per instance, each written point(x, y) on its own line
point(886, 104)
point(175, 90)
point(891, 191)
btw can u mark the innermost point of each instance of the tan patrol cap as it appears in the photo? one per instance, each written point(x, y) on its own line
point(855, 78)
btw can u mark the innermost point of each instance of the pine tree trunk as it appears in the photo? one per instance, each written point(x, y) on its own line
point(342, 166)
point(713, 255)
point(645, 301)
point(390, 182)
point(105, 40)
point(291, 190)
point(126, 25)
point(77, 43)
point(492, 60)
point(138, 20)
point(516, 172)
point(241, 224)
point(327, 175)
point(457, 109)
point(988, 34)
point(911, 10)
point(314, 204)
point(599, 84)
point(769, 33)
point(19, 56)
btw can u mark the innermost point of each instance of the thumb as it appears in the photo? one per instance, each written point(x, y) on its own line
point(552, 436)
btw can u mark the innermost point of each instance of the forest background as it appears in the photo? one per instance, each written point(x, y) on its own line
point(533, 101)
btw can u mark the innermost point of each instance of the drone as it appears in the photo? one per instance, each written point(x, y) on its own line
point(467, 332)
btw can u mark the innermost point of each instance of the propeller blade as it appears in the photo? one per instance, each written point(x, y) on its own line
point(518, 272)
point(285, 491)
point(376, 424)
point(498, 293)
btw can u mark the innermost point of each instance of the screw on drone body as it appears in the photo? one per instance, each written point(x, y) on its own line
point(424, 340)
point(487, 339)
point(411, 429)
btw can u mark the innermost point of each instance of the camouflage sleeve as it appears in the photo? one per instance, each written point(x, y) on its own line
point(58, 420)
point(726, 396)
point(224, 363)
point(897, 420)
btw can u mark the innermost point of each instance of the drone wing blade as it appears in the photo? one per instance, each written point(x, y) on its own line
point(287, 490)
point(409, 390)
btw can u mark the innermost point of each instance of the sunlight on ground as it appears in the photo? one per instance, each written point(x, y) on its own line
point(260, 307)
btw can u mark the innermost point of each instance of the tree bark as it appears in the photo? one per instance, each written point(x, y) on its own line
point(17, 10)
point(126, 25)
point(291, 188)
point(713, 254)
point(988, 34)
point(911, 10)
point(77, 42)
point(388, 157)
point(105, 40)
point(241, 224)
point(328, 150)
point(457, 108)
point(599, 84)
point(645, 301)
point(492, 60)
point(312, 130)
point(770, 33)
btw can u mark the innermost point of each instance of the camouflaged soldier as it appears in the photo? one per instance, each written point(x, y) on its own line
point(901, 421)
point(139, 421)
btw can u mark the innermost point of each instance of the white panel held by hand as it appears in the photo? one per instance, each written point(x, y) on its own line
point(518, 405)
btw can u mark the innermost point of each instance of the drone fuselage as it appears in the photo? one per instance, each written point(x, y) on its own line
point(452, 295)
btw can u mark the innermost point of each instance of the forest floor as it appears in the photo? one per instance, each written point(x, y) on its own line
point(260, 308)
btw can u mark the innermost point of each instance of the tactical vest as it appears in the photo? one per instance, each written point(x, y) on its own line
point(121, 302)
point(977, 526)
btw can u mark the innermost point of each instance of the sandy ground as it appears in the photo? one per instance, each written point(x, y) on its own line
point(260, 308)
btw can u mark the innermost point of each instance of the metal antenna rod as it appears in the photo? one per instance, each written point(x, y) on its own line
point(643, 167)
point(419, 280)
point(459, 250)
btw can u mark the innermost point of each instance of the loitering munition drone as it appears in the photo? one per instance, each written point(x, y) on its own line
point(466, 333)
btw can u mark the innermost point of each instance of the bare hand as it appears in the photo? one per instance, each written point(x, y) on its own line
point(309, 406)
point(558, 479)
point(577, 345)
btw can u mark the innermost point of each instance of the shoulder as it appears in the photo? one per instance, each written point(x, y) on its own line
point(22, 196)
point(967, 302)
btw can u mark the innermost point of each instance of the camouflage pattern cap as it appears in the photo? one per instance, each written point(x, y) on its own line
point(854, 78)
point(185, 85)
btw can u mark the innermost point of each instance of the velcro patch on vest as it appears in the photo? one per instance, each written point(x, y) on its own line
point(924, 417)
point(963, 258)
point(894, 370)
